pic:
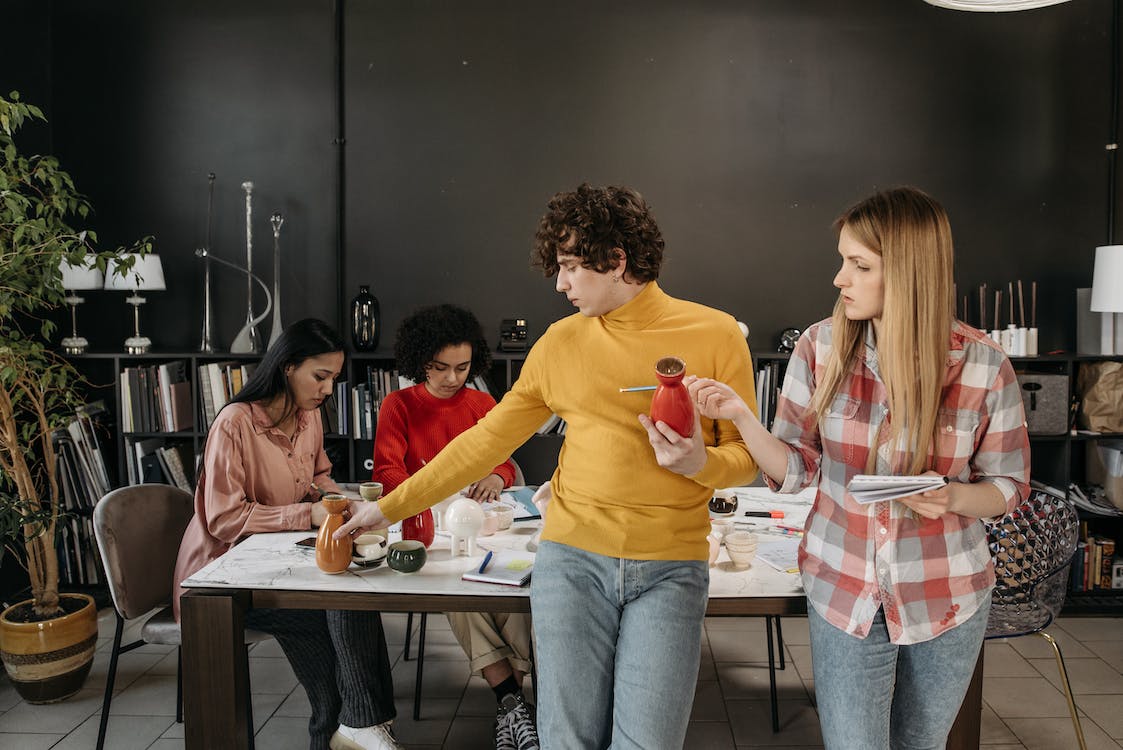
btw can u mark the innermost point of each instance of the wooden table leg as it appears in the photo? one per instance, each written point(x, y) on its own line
point(215, 674)
point(965, 731)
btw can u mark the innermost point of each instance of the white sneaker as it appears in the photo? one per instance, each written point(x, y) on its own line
point(378, 737)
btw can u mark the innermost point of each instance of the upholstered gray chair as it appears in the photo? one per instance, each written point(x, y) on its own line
point(1032, 549)
point(138, 531)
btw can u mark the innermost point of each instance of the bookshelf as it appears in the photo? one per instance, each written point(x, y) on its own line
point(1058, 460)
point(349, 450)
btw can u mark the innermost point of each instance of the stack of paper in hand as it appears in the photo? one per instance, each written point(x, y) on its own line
point(868, 488)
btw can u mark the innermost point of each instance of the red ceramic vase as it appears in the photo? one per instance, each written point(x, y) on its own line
point(420, 527)
point(671, 403)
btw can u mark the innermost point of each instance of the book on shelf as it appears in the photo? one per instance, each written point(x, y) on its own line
point(506, 567)
point(220, 388)
point(146, 467)
point(175, 396)
point(83, 479)
point(173, 464)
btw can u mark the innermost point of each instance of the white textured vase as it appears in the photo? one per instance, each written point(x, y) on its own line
point(463, 520)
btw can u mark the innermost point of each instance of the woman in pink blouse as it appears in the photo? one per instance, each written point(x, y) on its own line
point(899, 590)
point(263, 459)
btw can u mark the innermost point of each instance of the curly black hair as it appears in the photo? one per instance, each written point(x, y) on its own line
point(599, 220)
point(426, 332)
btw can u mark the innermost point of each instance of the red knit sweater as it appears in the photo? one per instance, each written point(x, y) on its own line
point(414, 425)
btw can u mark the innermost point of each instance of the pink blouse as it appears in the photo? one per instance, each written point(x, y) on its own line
point(253, 479)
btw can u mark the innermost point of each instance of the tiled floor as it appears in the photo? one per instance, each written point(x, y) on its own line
point(1024, 706)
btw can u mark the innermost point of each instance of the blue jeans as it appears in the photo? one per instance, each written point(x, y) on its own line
point(618, 643)
point(873, 694)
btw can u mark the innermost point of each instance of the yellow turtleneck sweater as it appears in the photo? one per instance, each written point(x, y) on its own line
point(610, 497)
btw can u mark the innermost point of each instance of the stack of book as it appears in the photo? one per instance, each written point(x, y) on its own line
point(218, 382)
point(83, 477)
point(156, 398)
point(1094, 565)
point(769, 380)
point(154, 461)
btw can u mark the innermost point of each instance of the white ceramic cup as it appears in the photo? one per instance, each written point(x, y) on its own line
point(370, 490)
point(719, 527)
point(370, 546)
point(506, 517)
point(491, 523)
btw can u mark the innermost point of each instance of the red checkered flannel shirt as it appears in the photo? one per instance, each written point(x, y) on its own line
point(929, 575)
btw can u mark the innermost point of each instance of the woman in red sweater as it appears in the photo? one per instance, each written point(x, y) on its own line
point(440, 348)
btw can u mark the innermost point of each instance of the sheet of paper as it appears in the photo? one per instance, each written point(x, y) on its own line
point(870, 488)
point(518, 499)
point(782, 554)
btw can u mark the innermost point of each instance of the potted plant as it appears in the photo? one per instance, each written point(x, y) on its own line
point(47, 642)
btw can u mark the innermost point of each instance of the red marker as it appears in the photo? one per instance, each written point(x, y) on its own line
point(765, 513)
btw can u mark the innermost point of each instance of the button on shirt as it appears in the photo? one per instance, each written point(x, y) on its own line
point(929, 575)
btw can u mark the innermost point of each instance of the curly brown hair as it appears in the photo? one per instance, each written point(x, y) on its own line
point(591, 223)
point(423, 335)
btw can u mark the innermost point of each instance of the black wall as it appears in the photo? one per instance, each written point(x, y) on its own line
point(748, 126)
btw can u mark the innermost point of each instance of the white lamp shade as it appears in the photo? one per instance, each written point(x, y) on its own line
point(147, 274)
point(1107, 279)
point(993, 6)
point(84, 276)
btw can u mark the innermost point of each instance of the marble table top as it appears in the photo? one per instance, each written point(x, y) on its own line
point(274, 561)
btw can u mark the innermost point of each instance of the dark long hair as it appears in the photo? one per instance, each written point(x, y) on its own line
point(426, 332)
point(305, 338)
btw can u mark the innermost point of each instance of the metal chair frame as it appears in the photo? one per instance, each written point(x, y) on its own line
point(1032, 548)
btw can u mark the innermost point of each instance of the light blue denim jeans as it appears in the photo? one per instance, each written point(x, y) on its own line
point(873, 694)
point(618, 643)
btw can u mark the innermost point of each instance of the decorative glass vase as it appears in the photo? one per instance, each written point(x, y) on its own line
point(333, 555)
point(366, 320)
point(420, 527)
point(671, 403)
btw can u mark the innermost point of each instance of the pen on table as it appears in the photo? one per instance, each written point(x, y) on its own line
point(765, 513)
point(487, 559)
point(793, 529)
point(638, 388)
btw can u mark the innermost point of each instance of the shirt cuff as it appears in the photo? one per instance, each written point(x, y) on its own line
point(1008, 489)
point(299, 516)
point(793, 480)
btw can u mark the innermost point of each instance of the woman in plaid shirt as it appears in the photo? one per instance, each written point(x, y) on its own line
point(899, 590)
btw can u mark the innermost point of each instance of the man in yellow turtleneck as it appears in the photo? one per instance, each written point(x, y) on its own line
point(620, 582)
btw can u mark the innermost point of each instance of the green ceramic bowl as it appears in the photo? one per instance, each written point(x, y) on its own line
point(406, 556)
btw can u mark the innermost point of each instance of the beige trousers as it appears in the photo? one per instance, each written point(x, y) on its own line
point(488, 637)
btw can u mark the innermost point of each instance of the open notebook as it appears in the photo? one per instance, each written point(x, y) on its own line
point(506, 566)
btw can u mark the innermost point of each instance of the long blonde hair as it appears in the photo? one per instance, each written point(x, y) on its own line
point(911, 233)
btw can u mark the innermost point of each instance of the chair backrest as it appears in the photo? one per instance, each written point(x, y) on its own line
point(1032, 547)
point(138, 531)
point(520, 479)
